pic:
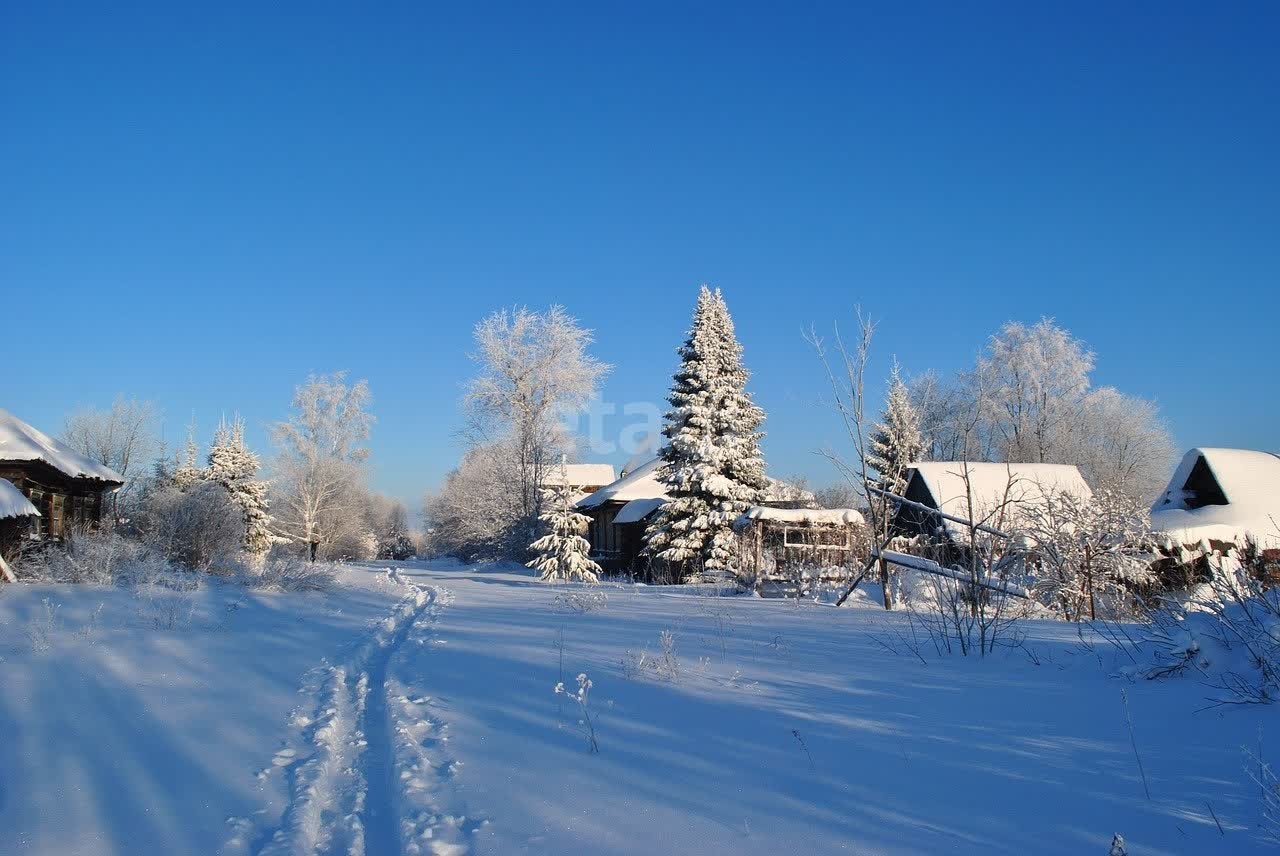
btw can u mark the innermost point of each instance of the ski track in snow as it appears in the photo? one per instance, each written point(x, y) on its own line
point(366, 770)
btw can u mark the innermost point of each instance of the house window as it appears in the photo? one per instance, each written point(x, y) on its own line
point(38, 500)
point(57, 516)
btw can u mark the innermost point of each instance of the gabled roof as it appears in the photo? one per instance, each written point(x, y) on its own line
point(1248, 481)
point(20, 442)
point(13, 503)
point(582, 475)
point(643, 492)
point(640, 483)
point(1016, 486)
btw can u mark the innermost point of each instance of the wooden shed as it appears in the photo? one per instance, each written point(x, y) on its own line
point(788, 551)
point(69, 490)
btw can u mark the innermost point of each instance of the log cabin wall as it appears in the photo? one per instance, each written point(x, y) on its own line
point(66, 505)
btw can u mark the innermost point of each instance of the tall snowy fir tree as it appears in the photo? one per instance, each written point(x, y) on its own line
point(235, 467)
point(896, 441)
point(563, 554)
point(713, 466)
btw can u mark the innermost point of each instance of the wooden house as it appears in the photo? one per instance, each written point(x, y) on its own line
point(17, 516)
point(69, 490)
point(1223, 498)
point(943, 493)
point(789, 551)
point(620, 512)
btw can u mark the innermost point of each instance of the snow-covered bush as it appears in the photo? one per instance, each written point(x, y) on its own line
point(475, 516)
point(291, 573)
point(1089, 555)
point(580, 602)
point(1227, 635)
point(198, 528)
point(103, 558)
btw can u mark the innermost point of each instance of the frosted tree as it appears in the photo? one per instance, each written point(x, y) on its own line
point(318, 484)
point(713, 466)
point(1029, 399)
point(562, 552)
point(121, 438)
point(186, 471)
point(233, 466)
point(1088, 552)
point(534, 368)
point(895, 441)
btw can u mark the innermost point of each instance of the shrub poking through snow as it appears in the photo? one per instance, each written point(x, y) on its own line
point(587, 720)
point(562, 551)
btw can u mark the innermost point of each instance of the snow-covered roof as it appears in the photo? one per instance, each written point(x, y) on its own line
point(993, 485)
point(803, 516)
point(13, 503)
point(1249, 481)
point(583, 475)
point(638, 509)
point(640, 483)
point(20, 442)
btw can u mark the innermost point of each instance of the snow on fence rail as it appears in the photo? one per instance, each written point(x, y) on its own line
point(928, 566)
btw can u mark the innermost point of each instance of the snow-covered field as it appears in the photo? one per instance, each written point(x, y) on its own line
point(413, 711)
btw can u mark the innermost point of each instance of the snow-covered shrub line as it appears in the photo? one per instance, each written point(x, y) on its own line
point(1228, 637)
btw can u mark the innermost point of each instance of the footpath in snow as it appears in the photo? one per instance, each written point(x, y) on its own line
point(412, 711)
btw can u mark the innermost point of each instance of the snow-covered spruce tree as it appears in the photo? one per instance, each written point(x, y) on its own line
point(713, 466)
point(233, 466)
point(896, 441)
point(562, 552)
point(186, 473)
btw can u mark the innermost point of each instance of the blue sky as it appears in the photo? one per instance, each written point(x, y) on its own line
point(224, 200)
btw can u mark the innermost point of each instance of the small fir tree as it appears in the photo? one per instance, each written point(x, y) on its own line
point(233, 466)
point(896, 441)
point(186, 473)
point(562, 553)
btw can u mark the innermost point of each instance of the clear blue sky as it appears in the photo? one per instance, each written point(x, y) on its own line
point(223, 200)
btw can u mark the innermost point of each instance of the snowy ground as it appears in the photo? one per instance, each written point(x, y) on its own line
point(413, 712)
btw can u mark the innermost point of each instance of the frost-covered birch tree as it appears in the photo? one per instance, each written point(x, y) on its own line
point(713, 466)
point(534, 367)
point(562, 553)
point(121, 437)
point(319, 474)
point(1036, 404)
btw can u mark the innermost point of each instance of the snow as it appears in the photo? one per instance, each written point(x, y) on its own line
point(1251, 482)
point(20, 442)
point(993, 484)
point(13, 503)
point(413, 711)
point(583, 475)
point(640, 483)
point(803, 516)
point(638, 509)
